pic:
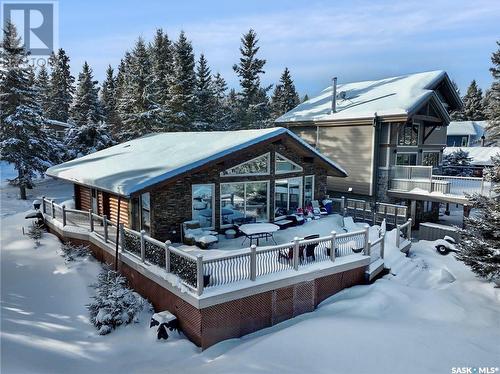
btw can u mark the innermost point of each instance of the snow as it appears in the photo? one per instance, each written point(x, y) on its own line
point(429, 315)
point(258, 228)
point(480, 155)
point(137, 164)
point(473, 128)
point(390, 96)
point(7, 171)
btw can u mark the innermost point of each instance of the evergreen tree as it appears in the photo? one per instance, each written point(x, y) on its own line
point(222, 111)
point(285, 97)
point(473, 109)
point(493, 109)
point(457, 163)
point(182, 89)
point(88, 138)
point(108, 100)
point(22, 139)
point(61, 87)
point(305, 98)
point(254, 104)
point(480, 239)
point(86, 108)
point(43, 86)
point(138, 113)
point(204, 94)
point(162, 68)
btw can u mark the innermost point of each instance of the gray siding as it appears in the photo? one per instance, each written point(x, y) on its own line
point(351, 147)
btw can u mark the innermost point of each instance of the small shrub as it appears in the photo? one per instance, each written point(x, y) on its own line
point(35, 232)
point(71, 252)
point(114, 303)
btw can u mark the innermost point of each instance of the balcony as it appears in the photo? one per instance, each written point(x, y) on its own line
point(421, 182)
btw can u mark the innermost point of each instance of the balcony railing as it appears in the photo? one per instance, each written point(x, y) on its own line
point(422, 179)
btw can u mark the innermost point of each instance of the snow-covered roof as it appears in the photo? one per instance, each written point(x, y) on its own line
point(393, 96)
point(59, 123)
point(479, 155)
point(134, 165)
point(473, 128)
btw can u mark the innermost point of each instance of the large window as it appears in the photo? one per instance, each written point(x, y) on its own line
point(287, 196)
point(244, 199)
point(203, 196)
point(408, 134)
point(284, 165)
point(256, 166)
point(145, 212)
point(308, 189)
point(406, 159)
point(430, 159)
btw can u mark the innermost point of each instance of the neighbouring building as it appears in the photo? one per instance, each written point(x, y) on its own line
point(480, 157)
point(467, 134)
point(389, 136)
point(159, 181)
point(58, 128)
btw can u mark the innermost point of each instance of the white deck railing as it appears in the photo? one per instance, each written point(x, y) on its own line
point(198, 273)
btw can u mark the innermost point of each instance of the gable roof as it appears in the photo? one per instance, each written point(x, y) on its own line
point(473, 128)
point(395, 96)
point(137, 164)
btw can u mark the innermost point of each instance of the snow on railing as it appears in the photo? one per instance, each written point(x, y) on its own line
point(403, 232)
point(198, 273)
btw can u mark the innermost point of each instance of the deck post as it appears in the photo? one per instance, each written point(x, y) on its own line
point(332, 246)
point(53, 209)
point(199, 274)
point(121, 229)
point(398, 237)
point(253, 262)
point(143, 246)
point(342, 205)
point(296, 251)
point(367, 240)
point(167, 255)
point(64, 215)
point(382, 247)
point(409, 229)
point(44, 209)
point(91, 221)
point(105, 224)
point(368, 249)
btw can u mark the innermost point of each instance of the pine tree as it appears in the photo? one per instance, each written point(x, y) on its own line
point(61, 87)
point(304, 98)
point(205, 100)
point(87, 138)
point(473, 109)
point(182, 89)
point(161, 71)
point(457, 163)
point(43, 86)
point(480, 239)
point(22, 139)
point(138, 113)
point(285, 97)
point(254, 104)
point(86, 108)
point(108, 102)
point(493, 109)
point(222, 111)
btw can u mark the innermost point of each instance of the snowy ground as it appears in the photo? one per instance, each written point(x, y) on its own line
point(430, 315)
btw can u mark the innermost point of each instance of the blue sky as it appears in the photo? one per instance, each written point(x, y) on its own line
point(354, 40)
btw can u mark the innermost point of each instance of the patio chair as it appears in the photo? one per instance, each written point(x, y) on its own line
point(309, 249)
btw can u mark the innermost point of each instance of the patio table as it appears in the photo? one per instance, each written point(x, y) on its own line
point(256, 231)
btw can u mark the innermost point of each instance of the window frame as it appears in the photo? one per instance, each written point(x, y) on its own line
point(268, 185)
point(439, 158)
point(212, 185)
point(268, 167)
point(304, 188)
point(417, 124)
point(276, 154)
point(406, 153)
point(141, 216)
point(301, 192)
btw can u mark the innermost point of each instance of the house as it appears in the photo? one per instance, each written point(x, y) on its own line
point(159, 181)
point(467, 134)
point(58, 128)
point(388, 134)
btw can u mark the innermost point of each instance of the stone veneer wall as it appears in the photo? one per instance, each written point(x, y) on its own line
point(383, 185)
point(171, 203)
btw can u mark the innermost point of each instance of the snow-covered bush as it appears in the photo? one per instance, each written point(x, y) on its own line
point(35, 232)
point(114, 303)
point(71, 251)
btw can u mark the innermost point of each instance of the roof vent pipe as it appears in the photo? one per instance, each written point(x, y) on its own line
point(334, 97)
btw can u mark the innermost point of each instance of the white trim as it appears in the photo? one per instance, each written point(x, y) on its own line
point(268, 154)
point(267, 181)
point(301, 169)
point(372, 166)
point(406, 153)
point(213, 202)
